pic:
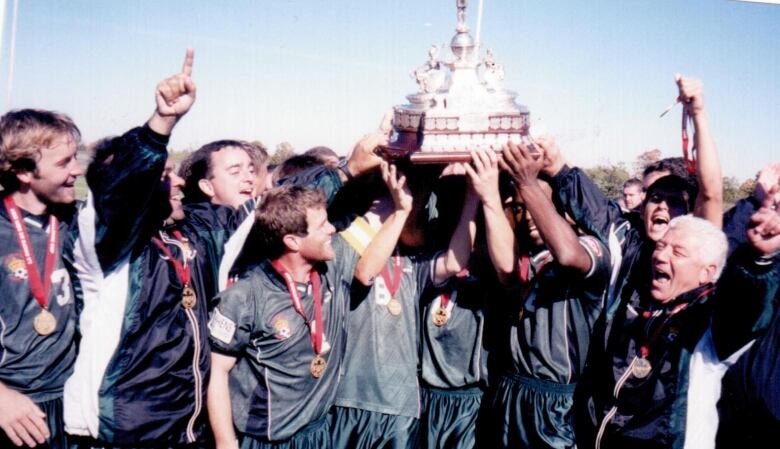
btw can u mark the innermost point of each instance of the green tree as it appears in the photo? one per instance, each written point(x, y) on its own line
point(609, 178)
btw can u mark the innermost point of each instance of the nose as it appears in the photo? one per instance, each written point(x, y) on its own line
point(175, 180)
point(76, 169)
point(331, 229)
point(662, 254)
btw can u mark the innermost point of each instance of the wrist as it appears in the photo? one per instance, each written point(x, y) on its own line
point(162, 124)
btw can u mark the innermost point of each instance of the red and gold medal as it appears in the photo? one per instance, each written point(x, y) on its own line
point(44, 323)
point(188, 296)
point(441, 315)
point(393, 284)
point(316, 328)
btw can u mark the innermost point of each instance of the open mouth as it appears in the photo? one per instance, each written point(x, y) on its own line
point(659, 223)
point(661, 278)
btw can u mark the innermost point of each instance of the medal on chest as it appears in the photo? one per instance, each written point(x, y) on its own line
point(189, 298)
point(441, 315)
point(44, 323)
point(393, 283)
point(316, 327)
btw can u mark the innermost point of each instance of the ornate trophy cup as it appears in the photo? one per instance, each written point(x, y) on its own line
point(460, 105)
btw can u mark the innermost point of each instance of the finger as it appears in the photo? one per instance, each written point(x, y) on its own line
point(39, 421)
point(402, 182)
point(393, 176)
point(503, 166)
point(9, 431)
point(769, 200)
point(492, 158)
point(476, 161)
point(189, 86)
point(511, 155)
point(383, 166)
point(23, 434)
point(189, 56)
point(32, 429)
point(473, 176)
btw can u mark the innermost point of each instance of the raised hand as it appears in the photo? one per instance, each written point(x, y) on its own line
point(174, 96)
point(21, 419)
point(363, 157)
point(483, 174)
point(399, 190)
point(764, 229)
point(691, 93)
point(768, 178)
point(523, 162)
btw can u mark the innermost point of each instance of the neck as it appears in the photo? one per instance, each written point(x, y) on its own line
point(28, 201)
point(297, 266)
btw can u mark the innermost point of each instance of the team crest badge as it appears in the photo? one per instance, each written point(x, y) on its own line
point(16, 267)
point(281, 326)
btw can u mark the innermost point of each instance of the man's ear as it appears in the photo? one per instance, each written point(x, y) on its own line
point(291, 242)
point(205, 186)
point(706, 274)
point(25, 177)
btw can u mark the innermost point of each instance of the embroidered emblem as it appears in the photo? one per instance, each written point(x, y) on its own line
point(16, 267)
point(281, 326)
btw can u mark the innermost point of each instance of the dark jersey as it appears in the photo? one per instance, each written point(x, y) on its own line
point(272, 390)
point(379, 373)
point(455, 355)
point(551, 340)
point(35, 365)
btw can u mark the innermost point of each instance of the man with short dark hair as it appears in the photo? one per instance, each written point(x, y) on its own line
point(222, 172)
point(633, 193)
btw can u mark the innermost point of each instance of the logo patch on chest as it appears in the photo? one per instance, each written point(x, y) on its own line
point(282, 326)
point(16, 267)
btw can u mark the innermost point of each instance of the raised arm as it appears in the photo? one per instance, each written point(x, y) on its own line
point(502, 248)
point(709, 202)
point(456, 258)
point(577, 194)
point(555, 231)
point(125, 179)
point(384, 242)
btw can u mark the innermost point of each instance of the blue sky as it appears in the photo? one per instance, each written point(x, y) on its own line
point(597, 73)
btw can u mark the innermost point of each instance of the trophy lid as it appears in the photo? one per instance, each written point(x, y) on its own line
point(460, 103)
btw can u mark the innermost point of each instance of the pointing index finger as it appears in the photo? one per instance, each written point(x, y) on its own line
point(186, 68)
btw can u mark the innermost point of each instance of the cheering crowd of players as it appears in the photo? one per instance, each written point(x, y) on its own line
point(357, 303)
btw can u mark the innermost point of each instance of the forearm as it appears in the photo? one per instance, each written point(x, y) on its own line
point(500, 240)
point(555, 231)
point(709, 202)
point(456, 258)
point(219, 408)
point(381, 247)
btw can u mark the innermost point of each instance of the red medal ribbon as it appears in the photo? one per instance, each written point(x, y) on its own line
point(315, 328)
point(690, 159)
point(183, 272)
point(40, 291)
point(444, 301)
point(644, 350)
point(395, 283)
point(525, 267)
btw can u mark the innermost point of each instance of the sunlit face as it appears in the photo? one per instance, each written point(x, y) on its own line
point(175, 183)
point(632, 195)
point(232, 180)
point(677, 266)
point(315, 246)
point(54, 178)
point(658, 210)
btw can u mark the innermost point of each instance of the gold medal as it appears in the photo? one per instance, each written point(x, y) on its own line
point(641, 368)
point(317, 366)
point(44, 323)
point(188, 297)
point(394, 307)
point(440, 317)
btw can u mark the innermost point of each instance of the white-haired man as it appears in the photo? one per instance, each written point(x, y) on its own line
point(638, 393)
